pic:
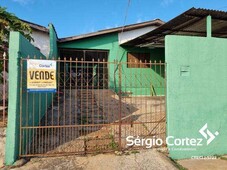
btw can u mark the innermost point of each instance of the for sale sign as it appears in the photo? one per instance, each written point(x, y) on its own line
point(41, 75)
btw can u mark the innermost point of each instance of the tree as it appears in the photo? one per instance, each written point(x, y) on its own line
point(9, 22)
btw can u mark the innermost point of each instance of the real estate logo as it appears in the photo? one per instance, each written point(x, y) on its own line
point(174, 141)
point(206, 133)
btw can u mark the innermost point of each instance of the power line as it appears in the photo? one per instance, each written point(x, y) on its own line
point(126, 15)
point(122, 30)
point(123, 27)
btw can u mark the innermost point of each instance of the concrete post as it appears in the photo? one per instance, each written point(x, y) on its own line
point(209, 26)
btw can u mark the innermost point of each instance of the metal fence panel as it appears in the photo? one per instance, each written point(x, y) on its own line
point(3, 90)
point(96, 106)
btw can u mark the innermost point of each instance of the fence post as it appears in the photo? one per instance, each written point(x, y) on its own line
point(4, 87)
point(120, 103)
point(13, 124)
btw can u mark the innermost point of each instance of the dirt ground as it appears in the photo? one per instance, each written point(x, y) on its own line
point(2, 145)
point(141, 111)
point(138, 160)
point(137, 113)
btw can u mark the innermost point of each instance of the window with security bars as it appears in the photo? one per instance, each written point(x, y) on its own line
point(137, 60)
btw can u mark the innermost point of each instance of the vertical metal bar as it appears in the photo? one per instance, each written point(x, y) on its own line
point(46, 130)
point(33, 122)
point(4, 87)
point(46, 124)
point(165, 103)
point(27, 120)
point(157, 116)
point(52, 122)
point(108, 87)
point(76, 96)
point(140, 84)
point(64, 130)
point(103, 91)
point(135, 73)
point(120, 104)
point(151, 95)
point(70, 99)
point(146, 86)
point(58, 100)
point(87, 96)
point(40, 130)
point(84, 89)
point(81, 89)
point(132, 81)
point(92, 98)
point(98, 67)
point(21, 103)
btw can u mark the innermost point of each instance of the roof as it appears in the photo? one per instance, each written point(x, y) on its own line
point(192, 22)
point(36, 26)
point(156, 22)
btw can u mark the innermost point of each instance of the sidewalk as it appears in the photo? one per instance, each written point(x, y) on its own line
point(145, 159)
point(201, 164)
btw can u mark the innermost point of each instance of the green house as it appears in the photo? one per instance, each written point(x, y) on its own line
point(141, 71)
point(134, 60)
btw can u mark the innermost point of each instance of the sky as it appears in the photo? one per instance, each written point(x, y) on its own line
point(75, 17)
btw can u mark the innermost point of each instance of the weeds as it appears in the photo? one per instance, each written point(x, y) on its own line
point(113, 145)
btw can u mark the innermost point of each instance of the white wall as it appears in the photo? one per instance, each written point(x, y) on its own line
point(42, 41)
point(129, 35)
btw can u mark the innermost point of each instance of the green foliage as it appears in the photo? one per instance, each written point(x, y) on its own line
point(177, 165)
point(113, 145)
point(9, 22)
point(134, 152)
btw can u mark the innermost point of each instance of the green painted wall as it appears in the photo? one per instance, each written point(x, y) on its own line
point(144, 81)
point(116, 52)
point(33, 105)
point(53, 43)
point(12, 138)
point(196, 93)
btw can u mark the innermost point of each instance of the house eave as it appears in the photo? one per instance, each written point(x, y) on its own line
point(156, 22)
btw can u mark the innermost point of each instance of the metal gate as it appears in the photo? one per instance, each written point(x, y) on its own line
point(98, 104)
point(3, 89)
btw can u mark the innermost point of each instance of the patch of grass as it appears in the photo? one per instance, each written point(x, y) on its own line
point(223, 158)
point(134, 152)
point(127, 153)
point(145, 127)
point(177, 165)
point(98, 150)
point(113, 145)
point(219, 157)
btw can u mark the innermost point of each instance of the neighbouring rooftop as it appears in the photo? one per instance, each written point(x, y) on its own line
point(192, 23)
